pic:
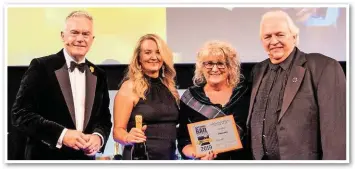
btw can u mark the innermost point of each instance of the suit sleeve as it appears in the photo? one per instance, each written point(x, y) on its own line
point(103, 124)
point(331, 91)
point(25, 114)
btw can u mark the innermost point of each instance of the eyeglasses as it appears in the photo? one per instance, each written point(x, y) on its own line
point(210, 65)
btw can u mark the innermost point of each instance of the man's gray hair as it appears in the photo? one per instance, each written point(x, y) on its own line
point(295, 31)
point(80, 14)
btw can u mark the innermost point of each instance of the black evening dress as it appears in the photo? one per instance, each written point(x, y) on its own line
point(160, 114)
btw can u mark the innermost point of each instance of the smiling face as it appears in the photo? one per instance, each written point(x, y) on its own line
point(150, 57)
point(78, 36)
point(277, 39)
point(215, 70)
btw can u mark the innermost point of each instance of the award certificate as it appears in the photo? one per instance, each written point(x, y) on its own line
point(217, 135)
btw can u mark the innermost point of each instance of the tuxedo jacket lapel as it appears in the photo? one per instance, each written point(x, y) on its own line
point(91, 81)
point(62, 75)
point(64, 83)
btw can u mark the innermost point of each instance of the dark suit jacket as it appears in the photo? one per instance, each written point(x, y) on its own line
point(44, 107)
point(312, 121)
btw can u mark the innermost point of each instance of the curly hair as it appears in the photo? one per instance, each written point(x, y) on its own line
point(226, 52)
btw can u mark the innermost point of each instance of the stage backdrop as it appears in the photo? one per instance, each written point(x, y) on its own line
point(185, 29)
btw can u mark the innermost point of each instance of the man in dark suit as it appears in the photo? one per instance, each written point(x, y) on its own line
point(298, 100)
point(63, 103)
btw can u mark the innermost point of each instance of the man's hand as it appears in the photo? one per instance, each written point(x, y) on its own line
point(93, 144)
point(75, 139)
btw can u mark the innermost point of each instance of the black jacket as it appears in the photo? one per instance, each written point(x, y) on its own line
point(312, 121)
point(44, 107)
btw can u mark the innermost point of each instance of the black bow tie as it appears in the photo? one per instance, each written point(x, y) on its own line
point(81, 66)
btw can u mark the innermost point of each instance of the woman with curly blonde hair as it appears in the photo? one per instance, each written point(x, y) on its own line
point(218, 90)
point(148, 90)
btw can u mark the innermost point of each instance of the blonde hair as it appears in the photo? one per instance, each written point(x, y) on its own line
point(295, 31)
point(135, 73)
point(227, 53)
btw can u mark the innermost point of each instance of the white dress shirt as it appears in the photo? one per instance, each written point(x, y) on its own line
point(78, 87)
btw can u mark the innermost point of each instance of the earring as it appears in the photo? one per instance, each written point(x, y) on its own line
point(163, 70)
point(139, 68)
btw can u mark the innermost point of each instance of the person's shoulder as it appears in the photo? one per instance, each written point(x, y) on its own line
point(47, 58)
point(126, 89)
point(48, 61)
point(320, 59)
point(265, 61)
point(192, 89)
point(260, 64)
point(127, 86)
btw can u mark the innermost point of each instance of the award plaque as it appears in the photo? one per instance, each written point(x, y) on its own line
point(218, 135)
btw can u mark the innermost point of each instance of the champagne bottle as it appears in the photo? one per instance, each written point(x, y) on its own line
point(117, 155)
point(139, 151)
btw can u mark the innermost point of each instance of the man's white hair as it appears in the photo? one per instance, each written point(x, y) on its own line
point(282, 15)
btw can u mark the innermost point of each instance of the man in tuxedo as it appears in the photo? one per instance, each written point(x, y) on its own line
point(63, 103)
point(298, 100)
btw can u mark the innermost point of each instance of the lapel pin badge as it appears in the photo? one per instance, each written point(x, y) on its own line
point(92, 69)
point(294, 80)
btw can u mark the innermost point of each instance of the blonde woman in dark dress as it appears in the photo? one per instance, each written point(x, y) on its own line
point(148, 90)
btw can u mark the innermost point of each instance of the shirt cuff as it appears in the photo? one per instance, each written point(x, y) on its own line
point(61, 137)
point(102, 138)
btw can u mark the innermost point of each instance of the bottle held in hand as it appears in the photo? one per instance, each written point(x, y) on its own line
point(139, 151)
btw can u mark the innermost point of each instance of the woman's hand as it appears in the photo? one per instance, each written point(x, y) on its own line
point(209, 156)
point(136, 135)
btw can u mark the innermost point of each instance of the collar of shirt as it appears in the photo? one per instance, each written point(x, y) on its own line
point(287, 62)
point(69, 58)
